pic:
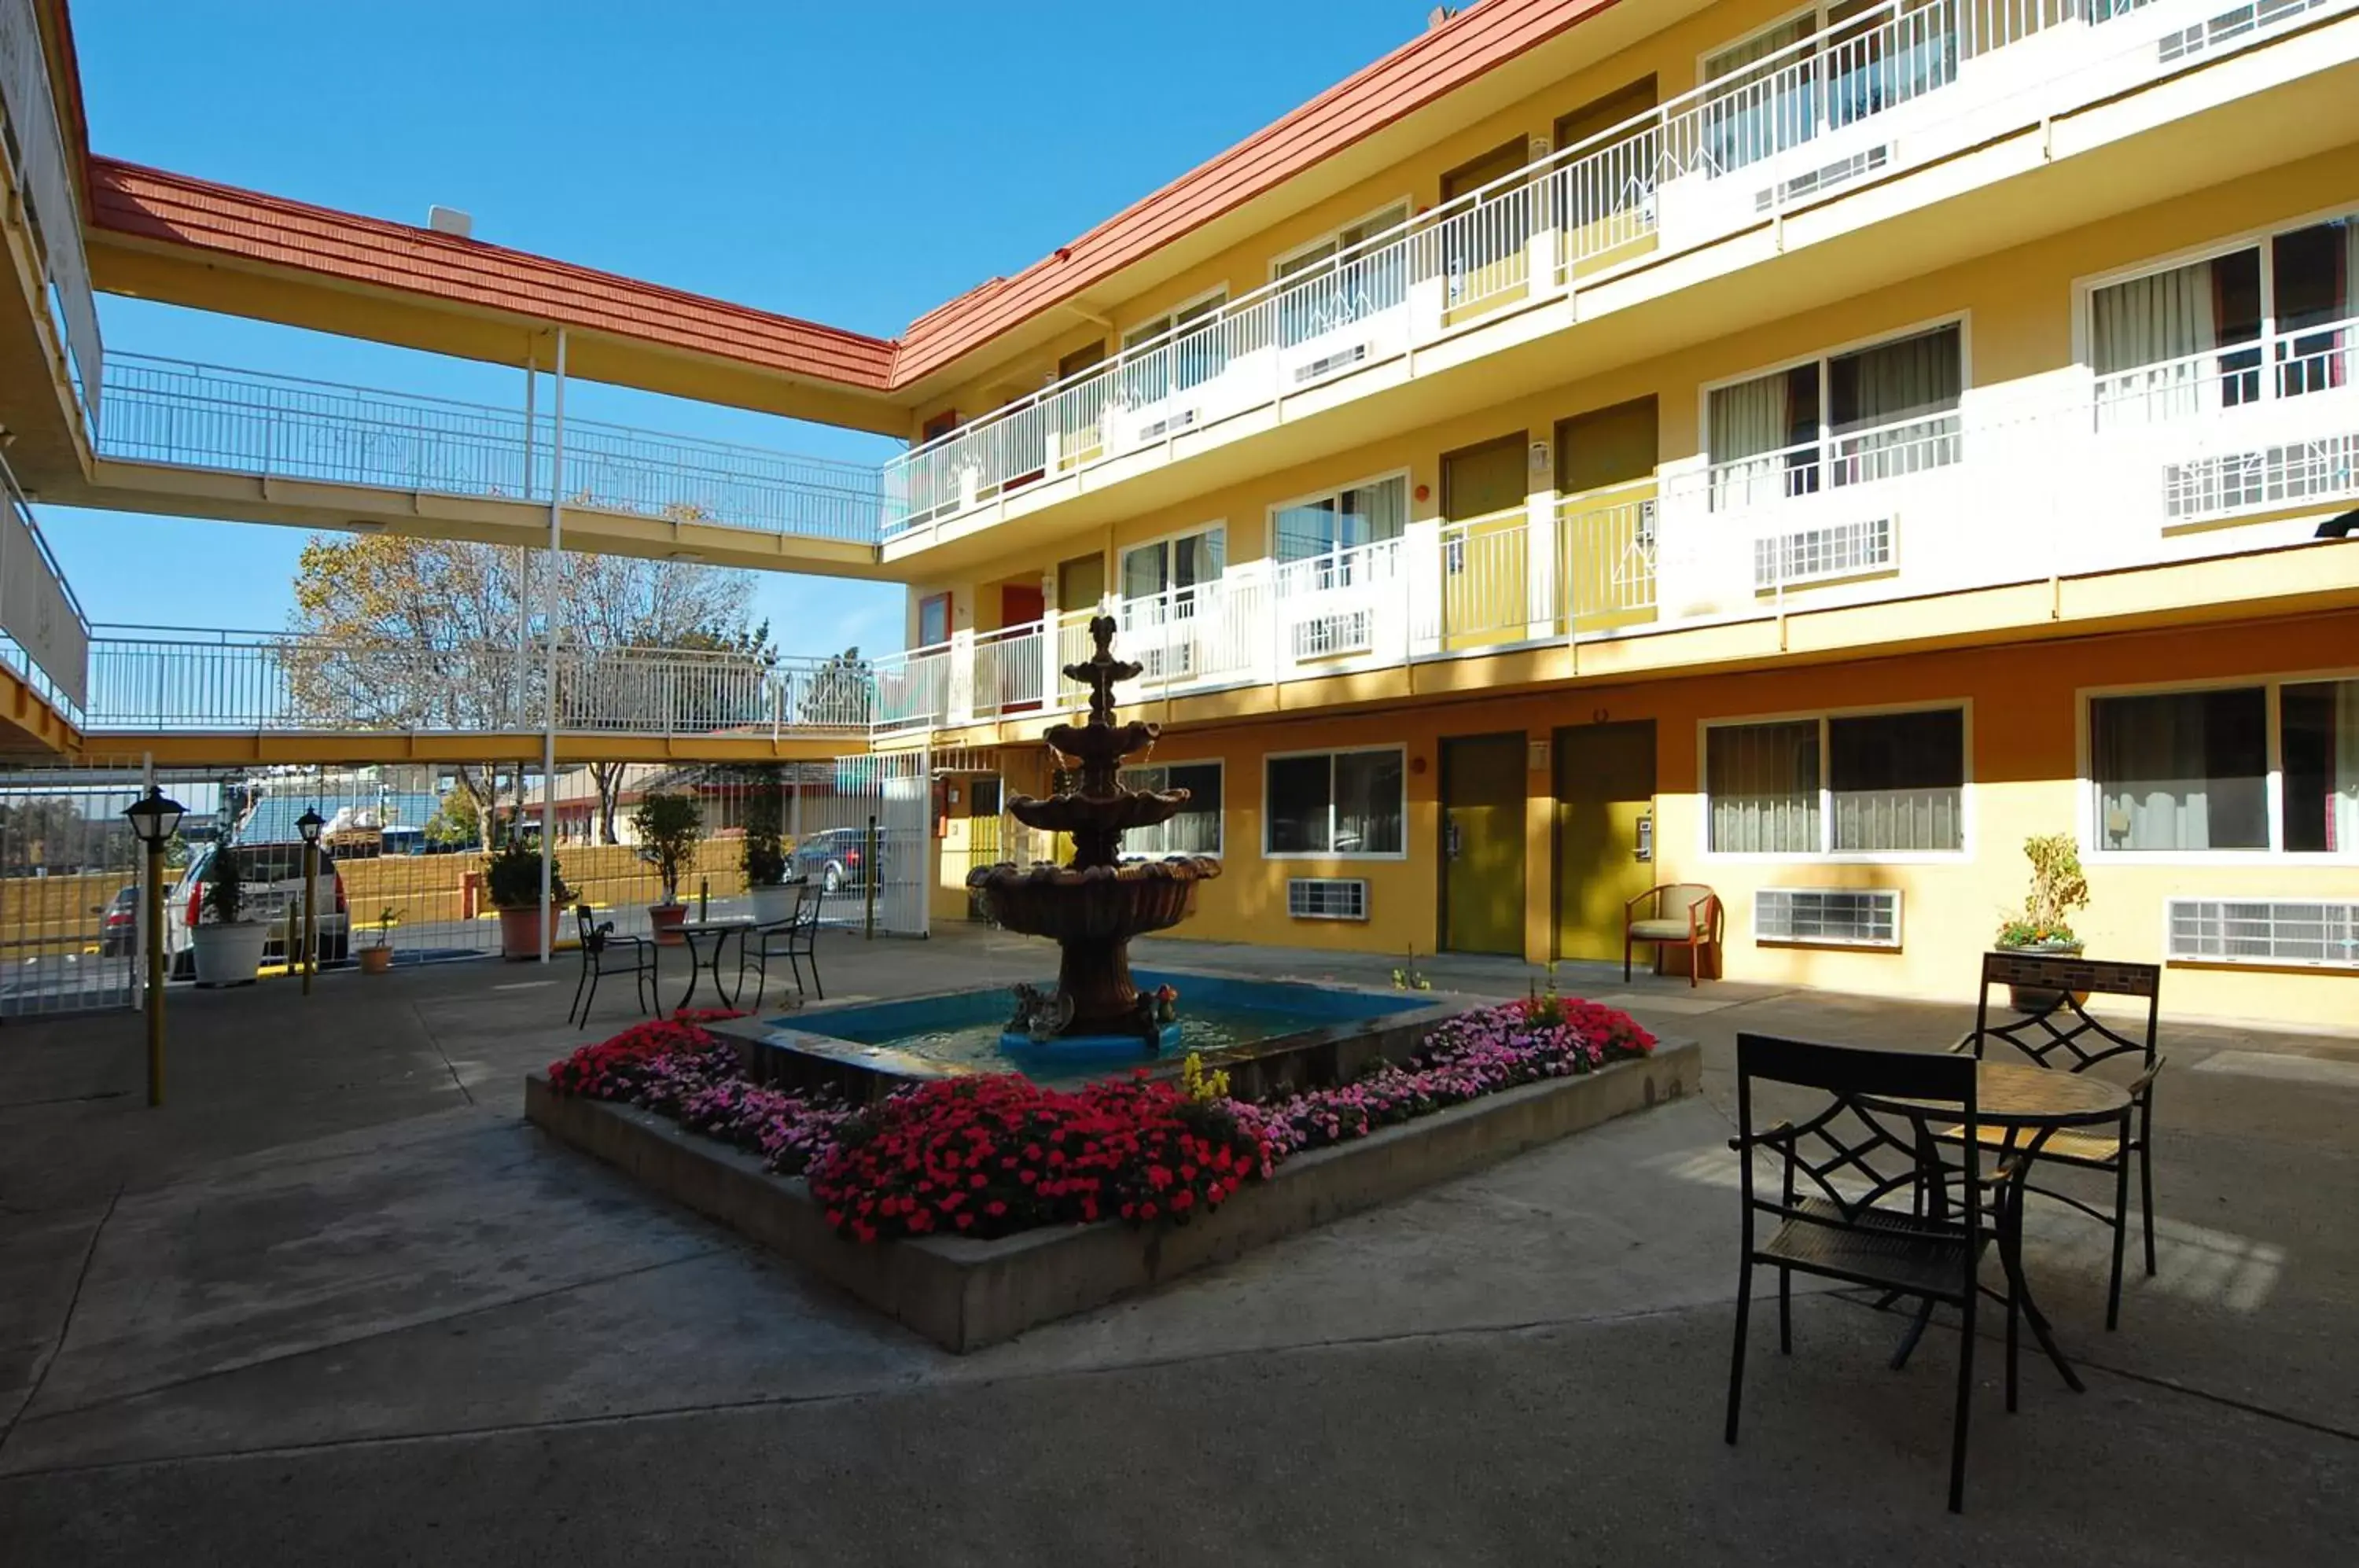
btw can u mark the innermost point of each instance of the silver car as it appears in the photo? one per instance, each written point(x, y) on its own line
point(272, 877)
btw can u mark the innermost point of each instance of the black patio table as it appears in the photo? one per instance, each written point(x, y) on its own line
point(695, 934)
point(2026, 1104)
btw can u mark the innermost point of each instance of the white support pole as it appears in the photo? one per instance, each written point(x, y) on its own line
point(524, 552)
point(549, 629)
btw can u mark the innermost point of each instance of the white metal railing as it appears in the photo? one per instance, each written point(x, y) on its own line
point(43, 633)
point(2018, 483)
point(44, 177)
point(165, 679)
point(285, 427)
point(1789, 128)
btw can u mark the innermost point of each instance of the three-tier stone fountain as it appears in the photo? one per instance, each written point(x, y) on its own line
point(1100, 1019)
point(1092, 905)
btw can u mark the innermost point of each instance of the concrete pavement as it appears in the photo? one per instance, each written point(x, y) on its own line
point(337, 1302)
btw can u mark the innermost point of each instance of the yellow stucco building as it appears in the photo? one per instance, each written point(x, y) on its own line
point(1803, 452)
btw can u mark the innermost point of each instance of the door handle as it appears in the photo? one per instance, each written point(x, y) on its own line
point(1450, 839)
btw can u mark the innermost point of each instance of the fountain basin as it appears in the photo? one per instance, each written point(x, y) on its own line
point(1268, 1034)
point(1092, 912)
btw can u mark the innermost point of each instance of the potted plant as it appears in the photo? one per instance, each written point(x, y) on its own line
point(2058, 888)
point(376, 958)
point(765, 852)
point(228, 945)
point(668, 827)
point(513, 879)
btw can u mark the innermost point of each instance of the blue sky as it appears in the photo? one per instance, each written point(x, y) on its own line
point(855, 164)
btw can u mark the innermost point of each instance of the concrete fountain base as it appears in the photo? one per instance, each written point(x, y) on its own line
point(965, 1295)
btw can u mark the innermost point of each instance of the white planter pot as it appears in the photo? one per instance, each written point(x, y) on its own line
point(774, 903)
point(230, 954)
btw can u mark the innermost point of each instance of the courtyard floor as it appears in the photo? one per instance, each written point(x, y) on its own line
point(337, 1302)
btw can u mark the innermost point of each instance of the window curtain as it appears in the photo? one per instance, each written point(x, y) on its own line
point(2182, 771)
point(1750, 424)
point(2343, 807)
point(2151, 322)
point(1909, 384)
point(1763, 780)
point(1763, 109)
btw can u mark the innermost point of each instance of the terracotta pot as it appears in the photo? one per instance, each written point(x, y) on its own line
point(520, 932)
point(230, 954)
point(665, 918)
point(376, 960)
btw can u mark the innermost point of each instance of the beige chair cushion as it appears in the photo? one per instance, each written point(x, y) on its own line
point(1659, 930)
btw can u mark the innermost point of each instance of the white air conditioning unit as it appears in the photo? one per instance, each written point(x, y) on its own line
point(1328, 363)
point(1325, 637)
point(1812, 182)
point(1169, 424)
point(2293, 932)
point(1835, 916)
point(1824, 553)
point(1327, 897)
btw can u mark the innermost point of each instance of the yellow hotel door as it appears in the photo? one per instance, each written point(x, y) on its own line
point(1483, 554)
point(1605, 824)
point(1482, 844)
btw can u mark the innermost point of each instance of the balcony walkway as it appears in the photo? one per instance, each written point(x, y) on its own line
point(205, 440)
point(186, 695)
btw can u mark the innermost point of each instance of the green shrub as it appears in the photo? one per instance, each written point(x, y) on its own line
point(225, 885)
point(765, 853)
point(668, 827)
point(513, 876)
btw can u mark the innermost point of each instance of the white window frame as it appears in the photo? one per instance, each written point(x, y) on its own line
point(2086, 287)
point(1405, 206)
point(1268, 818)
point(1962, 706)
point(1963, 320)
point(1123, 554)
point(2087, 826)
point(1221, 825)
point(1334, 491)
point(1137, 340)
point(1818, 12)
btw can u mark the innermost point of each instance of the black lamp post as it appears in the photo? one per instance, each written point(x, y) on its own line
point(154, 818)
point(309, 824)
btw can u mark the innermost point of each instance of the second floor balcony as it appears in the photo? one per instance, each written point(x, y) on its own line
point(2219, 454)
point(1797, 122)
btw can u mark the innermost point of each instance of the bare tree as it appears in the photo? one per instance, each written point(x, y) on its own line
point(394, 632)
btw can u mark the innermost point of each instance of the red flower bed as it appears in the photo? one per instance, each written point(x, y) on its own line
point(990, 1155)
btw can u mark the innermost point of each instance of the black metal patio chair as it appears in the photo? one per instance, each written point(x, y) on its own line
point(794, 939)
point(602, 953)
point(1863, 1195)
point(2057, 1031)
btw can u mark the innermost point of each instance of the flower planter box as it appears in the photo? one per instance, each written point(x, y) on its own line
point(965, 1295)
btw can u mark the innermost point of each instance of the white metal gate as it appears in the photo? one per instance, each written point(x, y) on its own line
point(893, 790)
point(70, 892)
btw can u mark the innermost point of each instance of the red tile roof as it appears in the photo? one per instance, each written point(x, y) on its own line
point(151, 205)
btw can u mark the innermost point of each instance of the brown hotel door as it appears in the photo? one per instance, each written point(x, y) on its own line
point(1605, 824)
point(1482, 844)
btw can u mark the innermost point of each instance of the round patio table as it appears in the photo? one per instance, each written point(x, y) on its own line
point(2026, 1104)
point(701, 960)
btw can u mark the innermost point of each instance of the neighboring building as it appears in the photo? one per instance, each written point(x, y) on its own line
point(1806, 452)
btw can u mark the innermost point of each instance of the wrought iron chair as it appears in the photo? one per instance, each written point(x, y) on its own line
point(794, 939)
point(2054, 1030)
point(1686, 914)
point(1863, 1195)
point(602, 951)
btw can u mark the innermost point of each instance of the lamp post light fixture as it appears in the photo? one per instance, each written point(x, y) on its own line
point(309, 824)
point(154, 818)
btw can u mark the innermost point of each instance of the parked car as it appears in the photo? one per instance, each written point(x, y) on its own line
point(118, 923)
point(835, 858)
point(273, 878)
